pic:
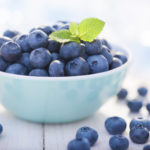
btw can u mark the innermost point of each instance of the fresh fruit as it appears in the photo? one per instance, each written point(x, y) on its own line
point(22, 41)
point(119, 142)
point(88, 133)
point(97, 63)
point(10, 51)
point(135, 105)
point(70, 50)
point(1, 128)
point(83, 53)
point(37, 39)
point(56, 68)
point(38, 72)
point(76, 67)
point(146, 147)
point(53, 46)
point(47, 29)
point(139, 134)
point(55, 56)
point(122, 57)
point(115, 125)
point(10, 33)
point(3, 64)
point(142, 91)
point(93, 48)
point(105, 43)
point(122, 94)
point(79, 144)
point(4, 40)
point(148, 107)
point(115, 63)
point(17, 69)
point(40, 58)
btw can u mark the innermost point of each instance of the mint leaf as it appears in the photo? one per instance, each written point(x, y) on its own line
point(73, 28)
point(90, 28)
point(63, 36)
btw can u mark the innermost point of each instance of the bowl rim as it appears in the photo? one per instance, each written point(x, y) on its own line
point(123, 49)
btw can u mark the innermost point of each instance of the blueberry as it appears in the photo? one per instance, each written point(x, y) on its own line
point(93, 48)
point(115, 125)
point(63, 22)
point(3, 64)
point(40, 58)
point(1, 128)
point(79, 144)
point(122, 94)
point(115, 63)
point(135, 105)
point(4, 40)
point(105, 42)
point(56, 26)
point(83, 53)
point(24, 60)
point(53, 46)
point(148, 107)
point(88, 133)
point(17, 69)
point(47, 29)
point(38, 73)
point(139, 134)
point(22, 41)
point(122, 57)
point(146, 147)
point(11, 51)
point(140, 122)
point(56, 68)
point(77, 66)
point(97, 63)
point(70, 50)
point(37, 39)
point(66, 26)
point(142, 91)
point(10, 33)
point(119, 142)
point(55, 56)
point(106, 53)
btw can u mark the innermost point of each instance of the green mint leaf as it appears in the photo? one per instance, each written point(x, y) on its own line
point(64, 36)
point(73, 28)
point(90, 28)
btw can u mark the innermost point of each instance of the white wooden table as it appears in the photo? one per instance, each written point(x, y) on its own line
point(22, 135)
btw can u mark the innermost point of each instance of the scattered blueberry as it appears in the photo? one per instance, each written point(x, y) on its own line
point(148, 107)
point(146, 147)
point(53, 46)
point(135, 105)
point(17, 69)
point(70, 50)
point(47, 29)
point(88, 133)
point(140, 122)
point(139, 134)
point(119, 142)
point(1, 128)
point(115, 125)
point(79, 144)
point(11, 51)
point(3, 64)
point(37, 39)
point(105, 42)
point(55, 56)
point(115, 63)
point(142, 91)
point(122, 57)
point(66, 26)
point(56, 26)
point(22, 41)
point(40, 58)
point(97, 63)
point(56, 68)
point(106, 53)
point(4, 40)
point(38, 73)
point(93, 48)
point(77, 66)
point(10, 33)
point(122, 94)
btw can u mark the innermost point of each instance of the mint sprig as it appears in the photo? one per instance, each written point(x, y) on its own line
point(87, 30)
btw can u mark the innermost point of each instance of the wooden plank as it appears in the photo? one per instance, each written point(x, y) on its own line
point(19, 134)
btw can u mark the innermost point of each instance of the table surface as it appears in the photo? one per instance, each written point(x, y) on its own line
point(23, 135)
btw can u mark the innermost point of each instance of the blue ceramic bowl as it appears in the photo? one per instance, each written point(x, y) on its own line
point(59, 99)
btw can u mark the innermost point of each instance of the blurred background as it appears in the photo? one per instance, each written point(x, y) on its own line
point(127, 22)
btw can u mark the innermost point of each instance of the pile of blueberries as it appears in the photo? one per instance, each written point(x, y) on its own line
point(35, 54)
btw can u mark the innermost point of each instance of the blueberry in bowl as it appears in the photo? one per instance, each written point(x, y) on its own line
point(55, 83)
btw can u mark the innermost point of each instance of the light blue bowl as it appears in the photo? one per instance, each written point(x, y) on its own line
point(59, 99)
